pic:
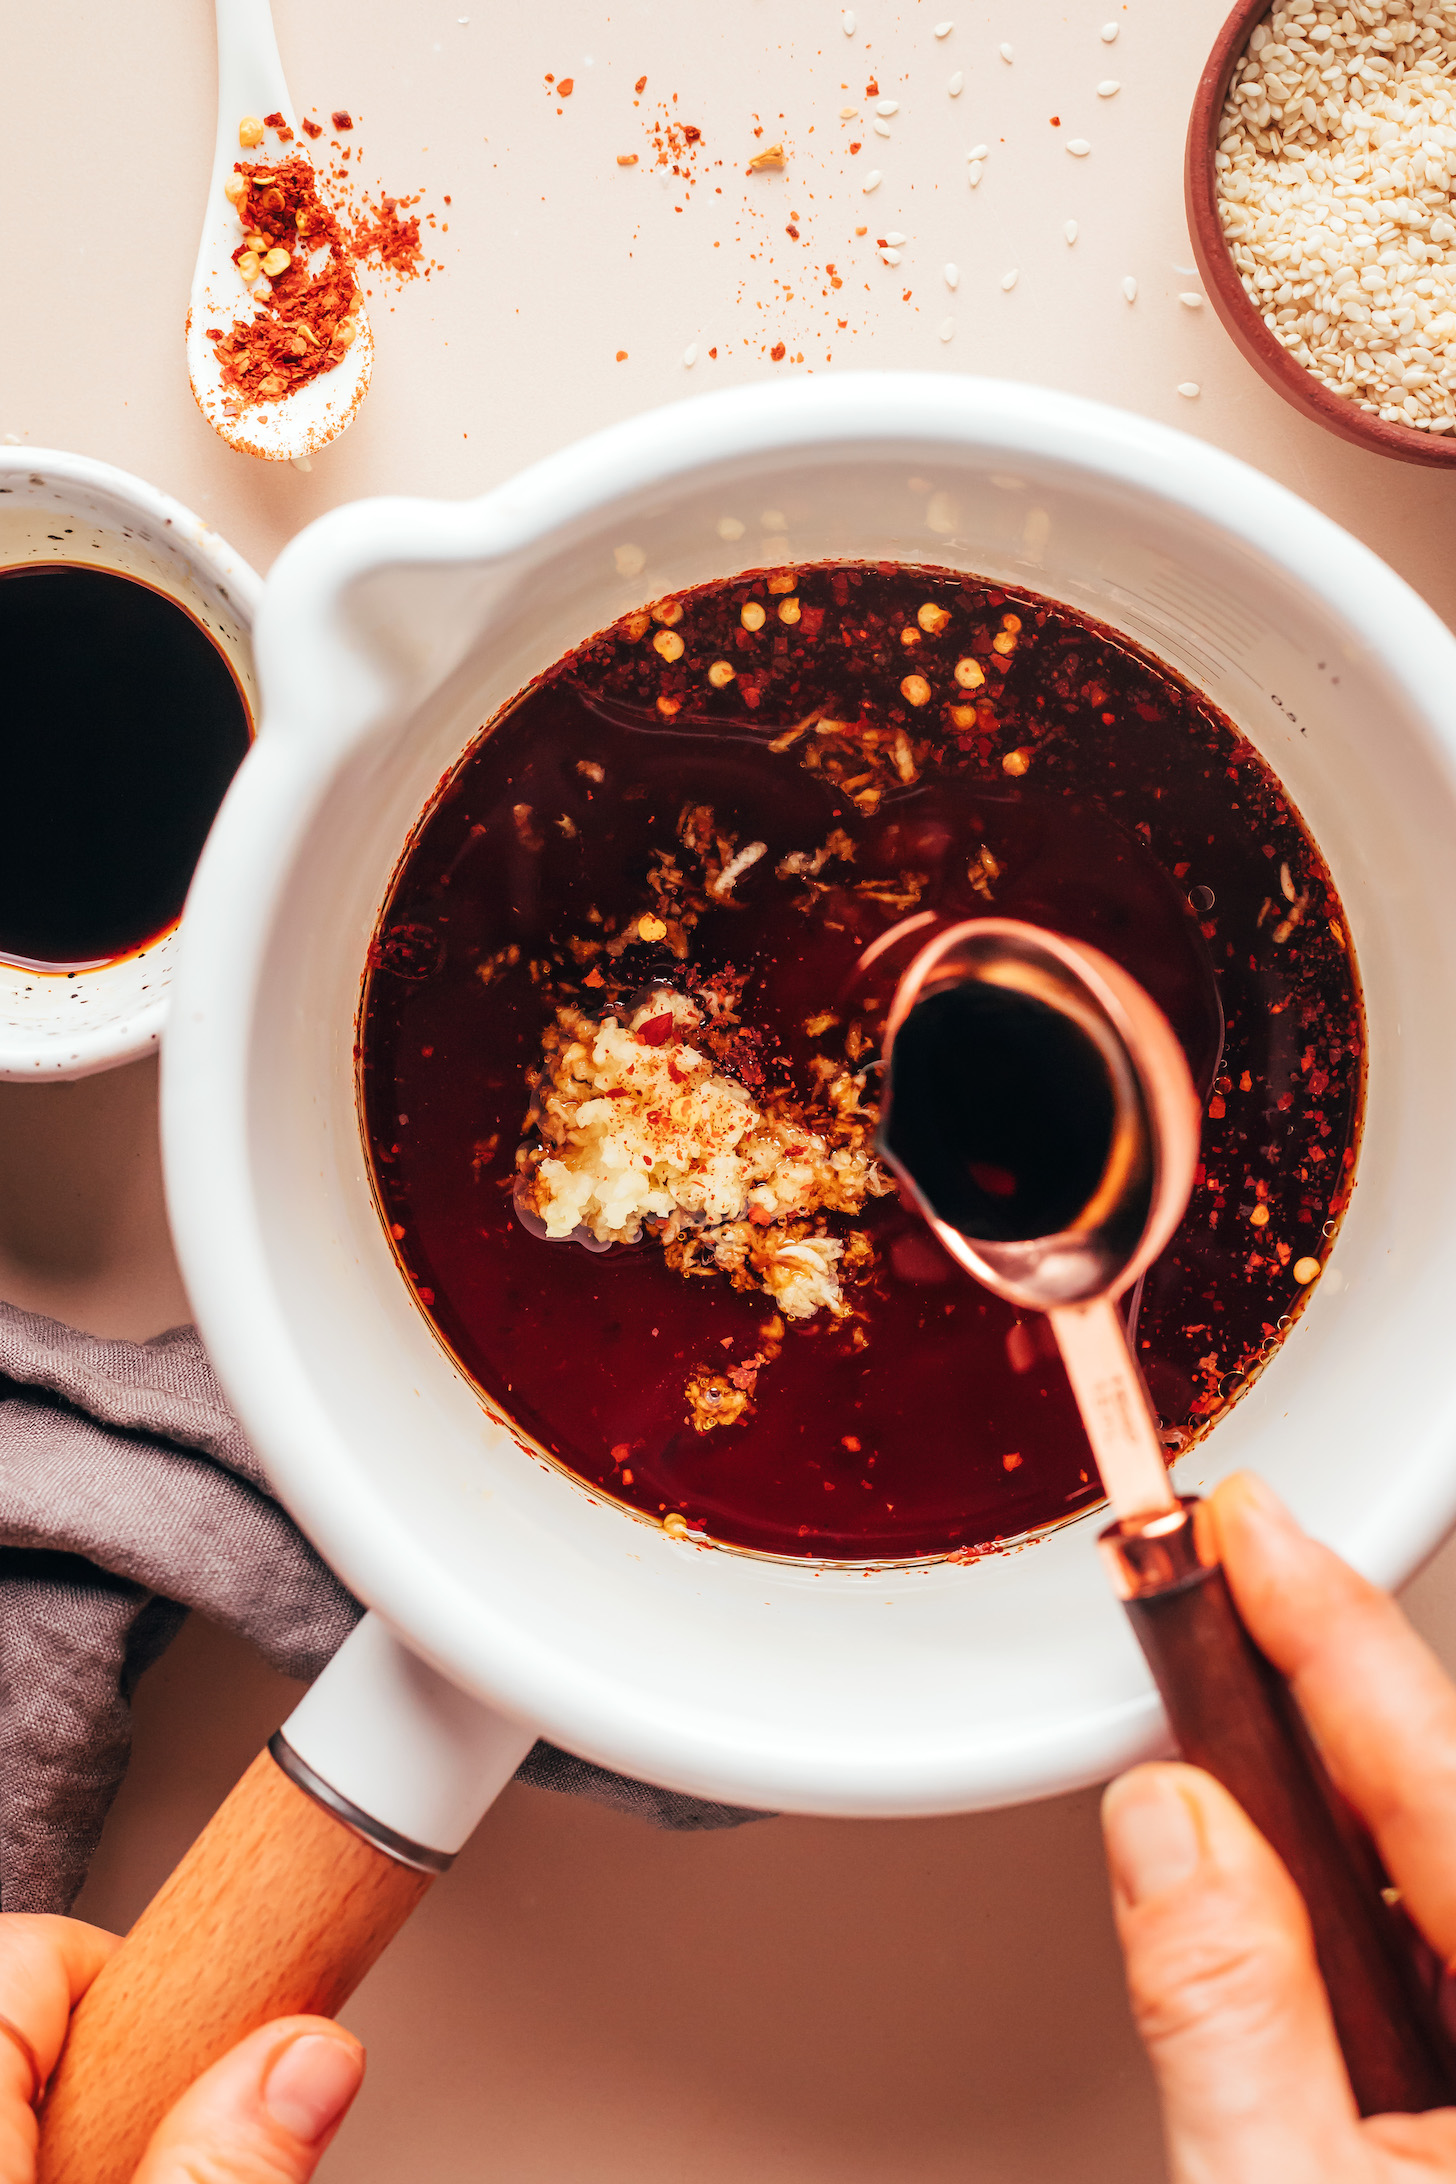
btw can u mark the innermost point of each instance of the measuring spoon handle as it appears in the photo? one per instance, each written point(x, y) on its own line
point(1232, 1714)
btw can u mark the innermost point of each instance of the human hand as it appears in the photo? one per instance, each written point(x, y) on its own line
point(265, 2114)
point(1220, 1965)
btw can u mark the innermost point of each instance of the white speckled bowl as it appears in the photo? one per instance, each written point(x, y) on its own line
point(58, 507)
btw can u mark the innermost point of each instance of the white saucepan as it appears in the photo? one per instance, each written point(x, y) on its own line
point(509, 1602)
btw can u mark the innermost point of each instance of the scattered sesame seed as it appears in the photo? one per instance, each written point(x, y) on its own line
point(1070, 231)
point(847, 113)
point(979, 151)
point(846, 22)
point(881, 128)
point(752, 614)
point(890, 257)
point(952, 276)
point(947, 329)
point(1129, 287)
point(1108, 88)
point(730, 528)
point(1016, 762)
point(872, 181)
point(974, 173)
point(943, 30)
point(888, 107)
point(300, 462)
point(1008, 280)
point(895, 238)
point(1008, 54)
point(1305, 1271)
point(1108, 33)
point(1188, 388)
point(690, 355)
point(1192, 299)
point(1079, 147)
point(957, 83)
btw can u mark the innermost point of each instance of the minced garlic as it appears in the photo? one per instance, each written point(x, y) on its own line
point(639, 1128)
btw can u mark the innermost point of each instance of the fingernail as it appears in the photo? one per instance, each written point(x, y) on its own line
point(1257, 1495)
point(311, 2084)
point(1152, 1842)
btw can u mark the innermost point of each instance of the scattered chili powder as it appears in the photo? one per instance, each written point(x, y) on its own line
point(308, 319)
point(383, 235)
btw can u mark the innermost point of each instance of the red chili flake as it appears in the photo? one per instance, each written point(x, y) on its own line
point(621, 1451)
point(594, 977)
point(678, 1076)
point(872, 89)
point(312, 128)
point(856, 147)
point(621, 356)
point(712, 352)
point(640, 86)
point(793, 231)
point(1056, 121)
point(341, 119)
point(396, 1230)
point(760, 1216)
point(776, 353)
point(1216, 1109)
point(566, 86)
point(657, 1029)
point(1011, 1462)
point(426, 1296)
point(690, 134)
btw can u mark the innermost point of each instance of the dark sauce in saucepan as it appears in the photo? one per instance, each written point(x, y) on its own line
point(986, 753)
point(121, 725)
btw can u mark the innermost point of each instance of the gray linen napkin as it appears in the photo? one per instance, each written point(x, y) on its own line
point(127, 1496)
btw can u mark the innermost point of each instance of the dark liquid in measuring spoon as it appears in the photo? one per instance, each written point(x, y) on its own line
point(938, 1418)
point(121, 725)
point(1002, 1112)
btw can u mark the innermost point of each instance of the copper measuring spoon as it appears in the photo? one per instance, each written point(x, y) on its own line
point(1039, 1111)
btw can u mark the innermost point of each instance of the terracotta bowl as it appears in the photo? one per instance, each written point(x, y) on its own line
point(1226, 290)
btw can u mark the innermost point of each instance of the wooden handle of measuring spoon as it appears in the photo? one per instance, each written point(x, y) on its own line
point(277, 1909)
point(1233, 1714)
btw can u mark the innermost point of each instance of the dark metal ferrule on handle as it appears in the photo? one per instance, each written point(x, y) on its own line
point(1232, 1714)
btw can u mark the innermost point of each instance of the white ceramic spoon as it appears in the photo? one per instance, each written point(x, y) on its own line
point(250, 81)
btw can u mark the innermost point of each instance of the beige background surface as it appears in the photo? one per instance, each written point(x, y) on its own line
point(583, 2001)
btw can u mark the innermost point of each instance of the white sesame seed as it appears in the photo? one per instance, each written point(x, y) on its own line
point(1108, 88)
point(690, 355)
point(888, 107)
point(947, 329)
point(895, 238)
point(846, 22)
point(1108, 33)
point(1070, 231)
point(1007, 53)
point(943, 30)
point(730, 528)
point(300, 462)
point(1192, 299)
point(952, 276)
point(1129, 287)
point(890, 257)
point(1188, 388)
point(1079, 147)
point(957, 83)
point(847, 113)
point(881, 128)
point(978, 151)
point(974, 173)
point(1008, 280)
point(872, 181)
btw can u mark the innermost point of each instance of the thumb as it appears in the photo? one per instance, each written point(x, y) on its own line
point(265, 2114)
point(1224, 1987)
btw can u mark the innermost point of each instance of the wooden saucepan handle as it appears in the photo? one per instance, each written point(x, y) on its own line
point(277, 1908)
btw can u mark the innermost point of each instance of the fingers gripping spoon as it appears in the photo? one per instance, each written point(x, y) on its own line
point(1039, 1108)
point(250, 84)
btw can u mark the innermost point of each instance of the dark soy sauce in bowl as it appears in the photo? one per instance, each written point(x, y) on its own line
point(121, 725)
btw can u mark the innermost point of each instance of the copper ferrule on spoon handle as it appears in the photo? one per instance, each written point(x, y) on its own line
point(1232, 1714)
